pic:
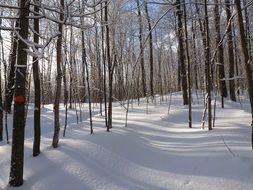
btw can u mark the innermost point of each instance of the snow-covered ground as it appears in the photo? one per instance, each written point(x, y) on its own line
point(155, 151)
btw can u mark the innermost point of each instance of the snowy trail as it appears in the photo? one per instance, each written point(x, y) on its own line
point(155, 151)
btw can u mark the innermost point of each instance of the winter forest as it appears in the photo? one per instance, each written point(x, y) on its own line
point(126, 94)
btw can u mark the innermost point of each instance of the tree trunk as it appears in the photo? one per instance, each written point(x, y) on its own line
point(207, 68)
point(11, 73)
point(181, 51)
point(230, 52)
point(58, 81)
point(151, 61)
point(195, 63)
point(246, 59)
point(247, 25)
point(188, 69)
point(104, 68)
point(220, 55)
point(110, 69)
point(17, 154)
point(36, 79)
point(143, 73)
point(1, 100)
point(88, 86)
point(84, 60)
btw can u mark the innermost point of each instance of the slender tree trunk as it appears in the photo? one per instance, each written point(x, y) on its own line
point(208, 68)
point(87, 77)
point(246, 59)
point(195, 71)
point(17, 154)
point(230, 52)
point(1, 100)
point(88, 86)
point(220, 54)
point(36, 79)
point(98, 60)
point(11, 73)
point(202, 30)
point(58, 81)
point(247, 26)
point(65, 90)
point(143, 73)
point(104, 68)
point(151, 59)
point(181, 51)
point(188, 68)
point(110, 68)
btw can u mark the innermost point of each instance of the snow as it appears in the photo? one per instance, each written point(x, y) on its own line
point(155, 151)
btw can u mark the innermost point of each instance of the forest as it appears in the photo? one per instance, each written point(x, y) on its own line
point(91, 62)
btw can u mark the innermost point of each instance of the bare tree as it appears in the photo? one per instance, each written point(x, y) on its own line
point(151, 59)
point(58, 79)
point(143, 73)
point(181, 49)
point(1, 100)
point(230, 51)
point(37, 91)
point(220, 54)
point(11, 72)
point(17, 154)
point(207, 67)
point(110, 68)
point(188, 68)
point(246, 59)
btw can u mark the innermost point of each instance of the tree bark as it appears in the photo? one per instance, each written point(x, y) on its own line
point(84, 60)
point(143, 72)
point(188, 69)
point(1, 100)
point(36, 79)
point(104, 68)
point(230, 52)
point(208, 67)
point(11, 73)
point(181, 51)
point(110, 68)
point(246, 59)
point(58, 81)
point(151, 59)
point(220, 54)
point(17, 154)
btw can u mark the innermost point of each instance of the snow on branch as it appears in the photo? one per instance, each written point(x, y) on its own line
point(8, 6)
point(8, 28)
point(36, 52)
point(233, 78)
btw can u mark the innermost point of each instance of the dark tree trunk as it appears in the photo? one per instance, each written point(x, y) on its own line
point(58, 81)
point(195, 70)
point(247, 25)
point(246, 59)
point(110, 69)
point(88, 86)
point(84, 61)
point(104, 68)
point(208, 68)
point(36, 79)
point(143, 73)
point(188, 69)
point(17, 154)
point(11, 73)
point(180, 36)
point(1, 100)
point(151, 60)
point(220, 55)
point(230, 52)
